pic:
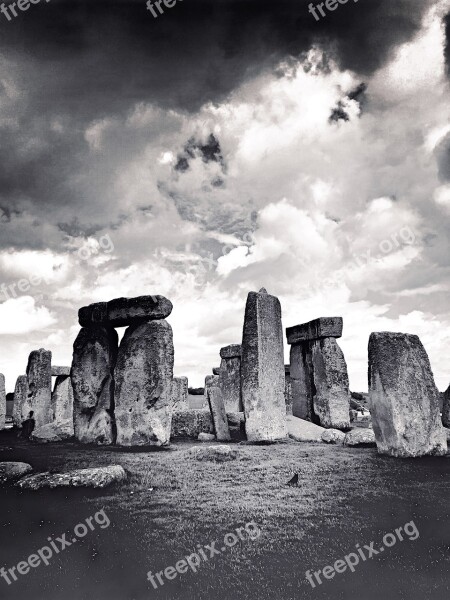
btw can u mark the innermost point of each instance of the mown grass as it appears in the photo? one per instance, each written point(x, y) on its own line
point(171, 503)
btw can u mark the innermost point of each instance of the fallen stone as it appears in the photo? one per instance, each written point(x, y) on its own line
point(214, 453)
point(360, 437)
point(404, 398)
point(2, 402)
point(262, 368)
point(53, 432)
point(143, 385)
point(232, 351)
point(180, 393)
point(100, 477)
point(121, 312)
point(39, 374)
point(190, 423)
point(303, 431)
point(206, 437)
point(60, 371)
point(11, 471)
point(219, 414)
point(62, 400)
point(333, 436)
point(323, 327)
point(94, 357)
point(21, 407)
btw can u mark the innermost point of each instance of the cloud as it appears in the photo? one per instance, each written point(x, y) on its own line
point(21, 315)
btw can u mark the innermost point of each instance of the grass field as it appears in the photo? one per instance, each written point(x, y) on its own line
point(172, 503)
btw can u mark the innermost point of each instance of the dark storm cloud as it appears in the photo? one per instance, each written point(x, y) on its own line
point(73, 62)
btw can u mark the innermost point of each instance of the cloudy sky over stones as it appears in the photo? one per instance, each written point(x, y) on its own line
point(223, 147)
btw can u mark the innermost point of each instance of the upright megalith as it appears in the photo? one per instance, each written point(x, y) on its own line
point(219, 414)
point(445, 403)
point(404, 398)
point(318, 373)
point(262, 368)
point(143, 385)
point(39, 375)
point(62, 400)
point(2, 402)
point(21, 407)
point(94, 358)
point(288, 389)
point(230, 377)
point(180, 393)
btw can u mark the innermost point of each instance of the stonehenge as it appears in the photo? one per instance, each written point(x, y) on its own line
point(127, 395)
point(404, 398)
point(318, 373)
point(262, 368)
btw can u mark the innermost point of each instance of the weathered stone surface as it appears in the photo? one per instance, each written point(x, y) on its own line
point(125, 311)
point(216, 371)
point(236, 425)
point(53, 432)
point(303, 431)
point(94, 357)
point(404, 398)
point(143, 385)
point(353, 415)
point(180, 393)
point(219, 414)
point(333, 436)
point(288, 389)
point(232, 351)
point(360, 437)
point(262, 369)
point(319, 383)
point(445, 403)
point(39, 374)
point(62, 400)
point(2, 402)
point(302, 381)
point(99, 477)
point(332, 397)
point(190, 423)
point(21, 406)
point(206, 437)
point(230, 383)
point(11, 471)
point(319, 328)
point(214, 453)
point(59, 371)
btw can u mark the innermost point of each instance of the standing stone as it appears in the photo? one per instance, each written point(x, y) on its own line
point(2, 402)
point(218, 414)
point(180, 393)
point(21, 407)
point(143, 376)
point(319, 377)
point(288, 389)
point(332, 397)
point(94, 357)
point(216, 371)
point(39, 374)
point(62, 400)
point(230, 377)
point(404, 398)
point(262, 368)
point(445, 403)
point(210, 381)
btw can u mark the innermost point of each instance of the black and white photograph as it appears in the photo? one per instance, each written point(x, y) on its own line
point(224, 299)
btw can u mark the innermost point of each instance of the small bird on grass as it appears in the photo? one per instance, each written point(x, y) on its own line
point(293, 481)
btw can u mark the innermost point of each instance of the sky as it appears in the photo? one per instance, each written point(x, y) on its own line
point(223, 147)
